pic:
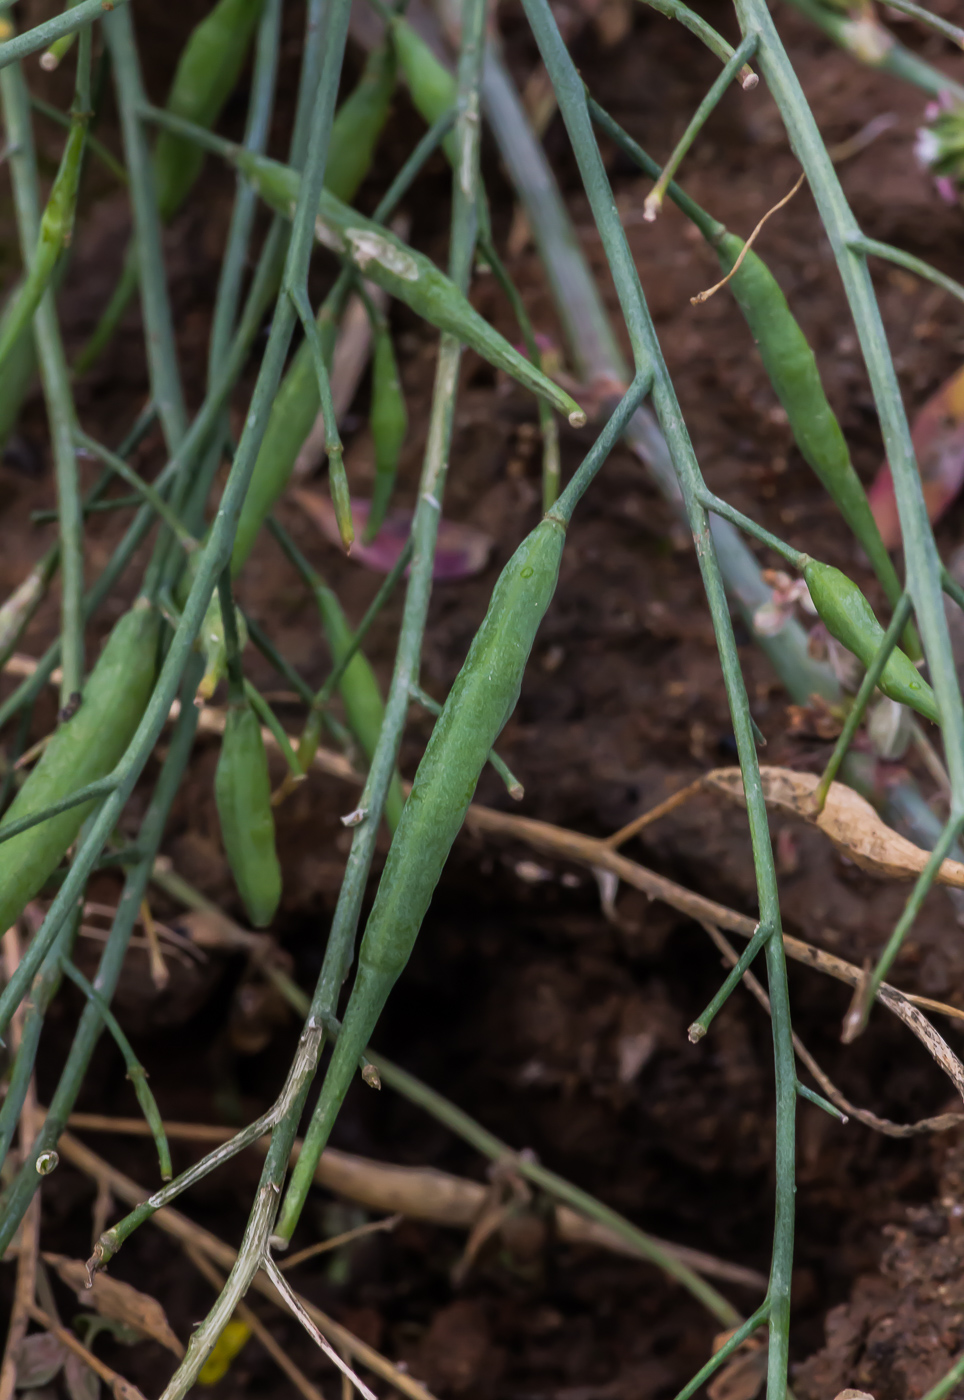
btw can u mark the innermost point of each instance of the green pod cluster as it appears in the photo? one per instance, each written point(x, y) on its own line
point(359, 123)
point(849, 617)
point(360, 694)
point(83, 749)
point(404, 273)
point(432, 87)
point(389, 424)
point(792, 370)
point(242, 791)
point(481, 700)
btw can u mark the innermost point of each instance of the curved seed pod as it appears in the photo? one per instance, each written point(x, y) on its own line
point(849, 617)
point(83, 749)
point(481, 700)
point(211, 642)
point(403, 273)
point(389, 424)
point(792, 369)
point(242, 791)
point(358, 124)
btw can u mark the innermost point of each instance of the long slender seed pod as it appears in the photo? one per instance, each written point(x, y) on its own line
point(849, 617)
point(360, 692)
point(84, 748)
point(793, 372)
point(389, 425)
point(432, 87)
point(242, 790)
point(404, 273)
point(481, 700)
point(358, 124)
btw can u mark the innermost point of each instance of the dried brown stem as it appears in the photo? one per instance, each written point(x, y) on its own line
point(173, 1223)
point(257, 1328)
point(122, 1388)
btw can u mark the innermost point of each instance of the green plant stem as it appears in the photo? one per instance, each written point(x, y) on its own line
point(646, 351)
point(904, 924)
point(761, 1315)
point(232, 642)
point(100, 788)
point(818, 1100)
point(512, 785)
point(165, 378)
point(922, 561)
point(795, 557)
point(856, 712)
point(270, 720)
point(600, 363)
point(929, 20)
point(947, 1383)
point(341, 938)
point(704, 111)
point(136, 1072)
point(96, 148)
point(872, 247)
point(870, 43)
point(696, 24)
point(44, 517)
point(53, 369)
point(732, 980)
point(115, 950)
point(337, 480)
point(144, 489)
point(43, 35)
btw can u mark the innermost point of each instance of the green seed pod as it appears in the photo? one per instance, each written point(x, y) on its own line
point(432, 87)
point(481, 700)
point(83, 749)
point(211, 642)
point(389, 424)
point(56, 227)
point(849, 617)
point(242, 791)
point(207, 73)
point(793, 372)
point(358, 124)
point(360, 693)
point(403, 273)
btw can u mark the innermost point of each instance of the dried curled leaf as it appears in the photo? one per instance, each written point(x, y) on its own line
point(848, 819)
point(117, 1301)
point(462, 549)
point(39, 1358)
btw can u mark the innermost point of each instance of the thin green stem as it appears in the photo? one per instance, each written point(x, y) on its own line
point(270, 720)
point(513, 787)
point(44, 517)
point(589, 468)
point(337, 480)
point(96, 148)
point(112, 959)
point(696, 24)
point(872, 247)
point(646, 350)
point(922, 884)
point(795, 557)
point(100, 788)
point(732, 980)
point(144, 489)
point(818, 1100)
point(341, 938)
point(762, 1314)
point(856, 712)
point(654, 200)
point(136, 1072)
point(929, 20)
point(43, 35)
point(232, 642)
point(870, 43)
point(947, 1384)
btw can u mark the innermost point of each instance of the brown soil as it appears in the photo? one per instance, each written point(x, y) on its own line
point(521, 996)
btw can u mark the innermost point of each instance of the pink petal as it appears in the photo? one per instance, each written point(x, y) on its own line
point(462, 550)
point(938, 436)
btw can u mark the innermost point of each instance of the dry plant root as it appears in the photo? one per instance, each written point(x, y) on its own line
point(847, 819)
